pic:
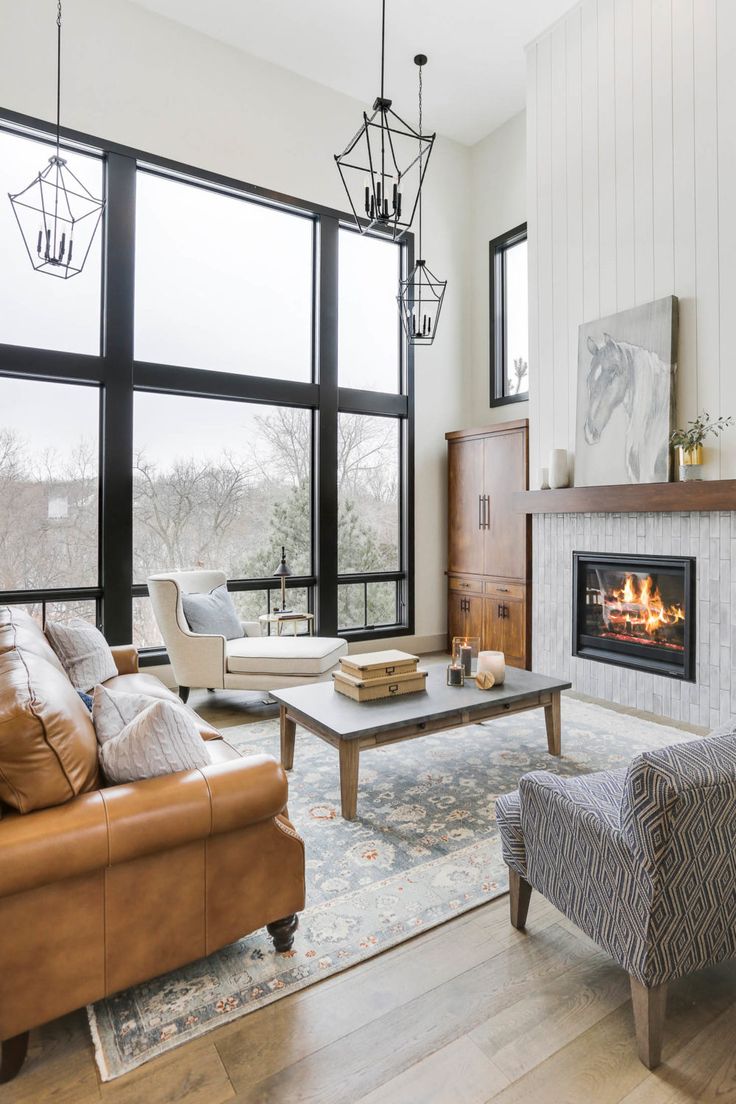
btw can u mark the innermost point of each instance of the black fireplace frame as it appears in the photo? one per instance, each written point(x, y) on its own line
point(642, 657)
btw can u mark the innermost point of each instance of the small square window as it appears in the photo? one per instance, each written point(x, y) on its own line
point(509, 301)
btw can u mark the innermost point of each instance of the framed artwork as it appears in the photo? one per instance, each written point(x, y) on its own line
point(625, 397)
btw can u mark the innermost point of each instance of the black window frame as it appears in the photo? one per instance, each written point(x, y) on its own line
point(117, 375)
point(497, 314)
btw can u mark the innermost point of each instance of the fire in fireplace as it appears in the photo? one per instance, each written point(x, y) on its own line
point(635, 611)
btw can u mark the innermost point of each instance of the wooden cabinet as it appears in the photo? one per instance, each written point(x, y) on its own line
point(465, 614)
point(504, 628)
point(489, 548)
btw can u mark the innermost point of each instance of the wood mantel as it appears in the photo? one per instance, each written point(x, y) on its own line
point(642, 498)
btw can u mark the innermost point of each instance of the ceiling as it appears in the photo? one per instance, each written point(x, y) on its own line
point(475, 78)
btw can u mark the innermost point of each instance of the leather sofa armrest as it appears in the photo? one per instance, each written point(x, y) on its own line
point(126, 658)
point(121, 823)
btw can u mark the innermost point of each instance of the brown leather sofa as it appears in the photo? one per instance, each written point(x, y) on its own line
point(102, 887)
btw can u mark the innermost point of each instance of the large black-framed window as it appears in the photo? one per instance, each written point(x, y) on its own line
point(509, 317)
point(148, 387)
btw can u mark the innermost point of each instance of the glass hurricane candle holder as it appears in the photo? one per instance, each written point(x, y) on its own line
point(455, 675)
point(465, 652)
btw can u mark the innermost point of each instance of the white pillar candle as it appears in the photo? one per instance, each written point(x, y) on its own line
point(495, 662)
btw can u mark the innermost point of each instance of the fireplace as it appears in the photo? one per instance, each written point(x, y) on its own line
point(635, 611)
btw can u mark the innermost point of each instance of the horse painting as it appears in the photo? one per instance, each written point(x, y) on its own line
point(625, 394)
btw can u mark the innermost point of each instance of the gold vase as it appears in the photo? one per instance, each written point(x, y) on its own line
point(685, 457)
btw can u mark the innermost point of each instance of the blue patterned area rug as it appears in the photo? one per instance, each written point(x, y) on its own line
point(423, 849)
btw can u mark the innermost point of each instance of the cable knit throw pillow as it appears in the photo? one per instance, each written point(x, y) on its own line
point(161, 740)
point(112, 710)
point(84, 653)
point(212, 613)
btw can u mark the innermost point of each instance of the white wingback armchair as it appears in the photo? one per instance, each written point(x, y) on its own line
point(253, 662)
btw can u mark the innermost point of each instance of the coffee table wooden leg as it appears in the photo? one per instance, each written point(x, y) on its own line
point(288, 739)
point(349, 764)
point(553, 721)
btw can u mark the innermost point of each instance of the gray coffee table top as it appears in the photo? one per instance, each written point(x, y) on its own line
point(348, 719)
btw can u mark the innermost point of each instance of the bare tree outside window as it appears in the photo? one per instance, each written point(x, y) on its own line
point(200, 504)
point(48, 485)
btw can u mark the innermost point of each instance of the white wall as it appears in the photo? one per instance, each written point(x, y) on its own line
point(135, 78)
point(498, 204)
point(632, 173)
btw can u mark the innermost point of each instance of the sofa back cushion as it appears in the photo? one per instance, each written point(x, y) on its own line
point(48, 749)
point(19, 630)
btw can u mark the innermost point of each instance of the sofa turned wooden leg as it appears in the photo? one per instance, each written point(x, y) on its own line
point(13, 1056)
point(184, 693)
point(282, 932)
point(519, 894)
point(649, 1010)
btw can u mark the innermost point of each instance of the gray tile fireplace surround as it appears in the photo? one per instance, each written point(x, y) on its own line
point(711, 538)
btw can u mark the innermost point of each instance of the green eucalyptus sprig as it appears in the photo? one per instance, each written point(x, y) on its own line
point(698, 430)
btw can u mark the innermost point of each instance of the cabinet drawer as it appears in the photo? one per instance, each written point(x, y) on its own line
point(465, 582)
point(505, 590)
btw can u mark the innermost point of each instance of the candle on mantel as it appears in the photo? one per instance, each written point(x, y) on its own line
point(495, 662)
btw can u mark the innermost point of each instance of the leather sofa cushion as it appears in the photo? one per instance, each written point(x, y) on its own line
point(283, 655)
point(19, 630)
point(48, 749)
point(152, 687)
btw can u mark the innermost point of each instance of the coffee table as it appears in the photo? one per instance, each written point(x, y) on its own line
point(351, 726)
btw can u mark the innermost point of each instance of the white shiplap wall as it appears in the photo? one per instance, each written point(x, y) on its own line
point(631, 132)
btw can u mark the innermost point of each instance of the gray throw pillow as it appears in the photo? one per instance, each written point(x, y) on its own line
point(161, 740)
point(212, 614)
point(84, 653)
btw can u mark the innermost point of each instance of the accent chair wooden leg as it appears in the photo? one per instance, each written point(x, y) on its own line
point(553, 721)
point(649, 1011)
point(288, 739)
point(282, 932)
point(13, 1056)
point(184, 693)
point(519, 895)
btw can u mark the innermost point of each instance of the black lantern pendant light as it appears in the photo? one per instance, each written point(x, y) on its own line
point(383, 165)
point(58, 217)
point(421, 294)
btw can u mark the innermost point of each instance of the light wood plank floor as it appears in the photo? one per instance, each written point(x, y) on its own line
point(468, 1013)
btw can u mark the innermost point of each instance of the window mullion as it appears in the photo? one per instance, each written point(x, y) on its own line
point(326, 468)
point(116, 469)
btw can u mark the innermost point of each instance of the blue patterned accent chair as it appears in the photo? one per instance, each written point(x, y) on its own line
point(642, 859)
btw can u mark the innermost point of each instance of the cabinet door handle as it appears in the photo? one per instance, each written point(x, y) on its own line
point(480, 511)
point(487, 511)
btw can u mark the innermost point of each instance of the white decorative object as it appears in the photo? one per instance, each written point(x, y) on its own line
point(559, 470)
point(544, 479)
point(495, 662)
point(625, 396)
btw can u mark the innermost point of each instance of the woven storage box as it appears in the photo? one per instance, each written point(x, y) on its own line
point(378, 665)
point(387, 686)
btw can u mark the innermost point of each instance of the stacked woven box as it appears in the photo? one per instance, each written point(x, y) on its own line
point(376, 675)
